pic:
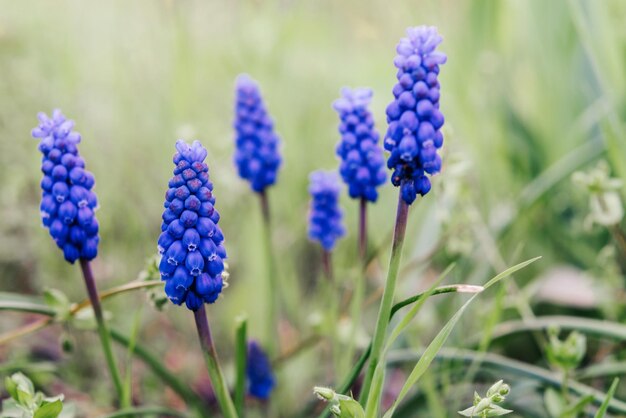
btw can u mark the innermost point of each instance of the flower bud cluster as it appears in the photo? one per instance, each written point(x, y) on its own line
point(414, 132)
point(191, 242)
point(68, 204)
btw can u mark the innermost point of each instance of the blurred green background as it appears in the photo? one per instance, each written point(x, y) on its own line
point(532, 91)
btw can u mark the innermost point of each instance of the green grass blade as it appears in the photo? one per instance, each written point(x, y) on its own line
point(498, 364)
point(404, 322)
point(431, 351)
point(241, 350)
point(372, 404)
point(595, 327)
point(609, 395)
point(128, 378)
point(510, 271)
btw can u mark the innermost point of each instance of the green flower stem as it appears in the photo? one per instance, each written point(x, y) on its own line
point(213, 366)
point(241, 354)
point(332, 299)
point(363, 230)
point(102, 330)
point(356, 302)
point(273, 289)
point(565, 386)
point(327, 265)
point(345, 386)
point(386, 304)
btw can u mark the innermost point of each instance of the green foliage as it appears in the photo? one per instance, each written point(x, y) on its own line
point(341, 406)
point(58, 301)
point(566, 354)
point(605, 404)
point(150, 272)
point(488, 406)
point(25, 402)
point(605, 204)
point(431, 351)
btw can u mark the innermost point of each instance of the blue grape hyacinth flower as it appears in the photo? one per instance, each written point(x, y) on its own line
point(259, 372)
point(362, 164)
point(414, 133)
point(191, 242)
point(257, 146)
point(326, 217)
point(68, 203)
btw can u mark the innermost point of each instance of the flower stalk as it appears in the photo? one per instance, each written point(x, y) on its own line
point(273, 288)
point(327, 265)
point(213, 366)
point(387, 300)
point(363, 231)
point(103, 331)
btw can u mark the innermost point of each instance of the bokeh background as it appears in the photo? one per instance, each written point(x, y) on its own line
point(532, 92)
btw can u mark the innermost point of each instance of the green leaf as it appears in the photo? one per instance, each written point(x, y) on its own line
point(554, 402)
point(605, 404)
point(58, 301)
point(404, 322)
point(431, 351)
point(21, 389)
point(491, 411)
point(506, 273)
point(49, 409)
point(372, 402)
point(497, 411)
point(11, 387)
point(11, 409)
point(69, 411)
point(578, 408)
point(341, 406)
point(350, 408)
point(468, 412)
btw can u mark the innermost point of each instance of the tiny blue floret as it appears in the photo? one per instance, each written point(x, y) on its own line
point(414, 133)
point(326, 217)
point(68, 204)
point(257, 146)
point(362, 164)
point(259, 372)
point(191, 242)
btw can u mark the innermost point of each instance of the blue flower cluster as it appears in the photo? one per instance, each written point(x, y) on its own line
point(256, 156)
point(67, 204)
point(414, 132)
point(362, 163)
point(259, 372)
point(325, 222)
point(191, 243)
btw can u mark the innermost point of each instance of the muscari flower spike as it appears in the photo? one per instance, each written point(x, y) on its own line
point(257, 155)
point(414, 132)
point(259, 372)
point(325, 221)
point(68, 203)
point(191, 242)
point(362, 163)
